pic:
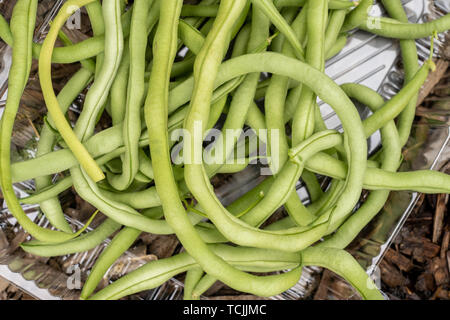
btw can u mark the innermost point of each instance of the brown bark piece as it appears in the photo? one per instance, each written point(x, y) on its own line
point(438, 224)
point(433, 80)
point(425, 282)
point(391, 276)
point(445, 244)
point(402, 262)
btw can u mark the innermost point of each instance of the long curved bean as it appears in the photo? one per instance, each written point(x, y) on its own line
point(135, 97)
point(82, 155)
point(390, 162)
point(51, 207)
point(157, 272)
point(277, 19)
point(280, 64)
point(22, 33)
point(390, 28)
point(346, 266)
point(332, 4)
point(410, 66)
point(358, 15)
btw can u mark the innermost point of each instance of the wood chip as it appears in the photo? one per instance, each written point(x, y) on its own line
point(391, 275)
point(425, 282)
point(438, 224)
point(445, 244)
point(402, 262)
point(433, 79)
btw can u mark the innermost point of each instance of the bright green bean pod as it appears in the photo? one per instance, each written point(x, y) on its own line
point(390, 28)
point(277, 19)
point(119, 89)
point(333, 30)
point(199, 10)
point(134, 97)
point(410, 66)
point(277, 63)
point(390, 162)
point(340, 43)
point(303, 121)
point(98, 92)
point(51, 207)
point(358, 15)
point(204, 284)
point(23, 22)
point(82, 155)
point(157, 272)
point(81, 243)
point(193, 276)
point(397, 104)
point(332, 4)
point(83, 50)
point(120, 243)
point(342, 263)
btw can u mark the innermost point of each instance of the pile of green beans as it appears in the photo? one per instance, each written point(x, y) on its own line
point(255, 64)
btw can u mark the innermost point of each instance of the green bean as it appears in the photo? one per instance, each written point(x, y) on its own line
point(274, 107)
point(216, 110)
point(358, 15)
point(109, 141)
point(390, 28)
point(204, 284)
point(88, 64)
point(193, 276)
point(303, 121)
point(397, 104)
point(82, 243)
point(332, 4)
point(49, 193)
point(119, 89)
point(157, 272)
point(340, 43)
point(135, 98)
point(243, 96)
point(145, 165)
point(51, 207)
point(277, 19)
point(282, 65)
point(102, 143)
point(83, 50)
point(120, 243)
point(156, 114)
point(191, 37)
point(147, 198)
point(342, 263)
point(410, 66)
point(390, 161)
point(199, 10)
point(335, 23)
point(275, 97)
point(424, 181)
point(95, 14)
point(98, 92)
point(82, 155)
point(22, 22)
